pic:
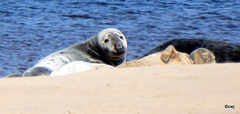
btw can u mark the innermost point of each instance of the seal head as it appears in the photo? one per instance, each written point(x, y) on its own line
point(113, 45)
point(202, 56)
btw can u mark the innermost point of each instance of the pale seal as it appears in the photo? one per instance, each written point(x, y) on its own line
point(79, 66)
point(223, 51)
point(198, 56)
point(108, 47)
point(202, 56)
point(171, 56)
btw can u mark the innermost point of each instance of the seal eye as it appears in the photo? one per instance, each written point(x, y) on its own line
point(106, 40)
point(121, 37)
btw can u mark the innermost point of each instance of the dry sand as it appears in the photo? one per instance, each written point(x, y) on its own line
point(158, 89)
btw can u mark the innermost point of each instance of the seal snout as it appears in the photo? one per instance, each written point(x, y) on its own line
point(120, 49)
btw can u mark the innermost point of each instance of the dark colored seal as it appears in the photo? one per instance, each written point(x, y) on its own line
point(223, 51)
point(108, 46)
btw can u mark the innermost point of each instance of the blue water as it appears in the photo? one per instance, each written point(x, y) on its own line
point(32, 29)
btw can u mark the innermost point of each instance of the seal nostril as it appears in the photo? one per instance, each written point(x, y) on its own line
point(119, 48)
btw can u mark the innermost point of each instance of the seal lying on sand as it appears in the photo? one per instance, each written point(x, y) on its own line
point(171, 56)
point(79, 66)
point(108, 47)
point(14, 75)
point(223, 51)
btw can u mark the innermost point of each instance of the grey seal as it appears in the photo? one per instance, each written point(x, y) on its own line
point(108, 47)
point(223, 51)
point(198, 56)
point(79, 66)
point(171, 56)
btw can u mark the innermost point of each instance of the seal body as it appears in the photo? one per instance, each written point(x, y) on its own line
point(108, 47)
point(14, 75)
point(171, 56)
point(79, 66)
point(223, 51)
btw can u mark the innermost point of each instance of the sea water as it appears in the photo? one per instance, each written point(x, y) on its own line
point(33, 29)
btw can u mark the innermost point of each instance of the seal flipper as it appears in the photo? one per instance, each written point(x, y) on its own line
point(169, 54)
point(37, 71)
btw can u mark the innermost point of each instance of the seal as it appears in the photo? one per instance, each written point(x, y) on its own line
point(14, 75)
point(79, 66)
point(171, 56)
point(202, 56)
point(223, 51)
point(107, 47)
point(198, 56)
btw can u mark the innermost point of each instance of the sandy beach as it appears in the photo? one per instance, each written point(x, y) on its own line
point(208, 88)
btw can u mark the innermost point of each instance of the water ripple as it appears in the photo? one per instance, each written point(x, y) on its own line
point(32, 29)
